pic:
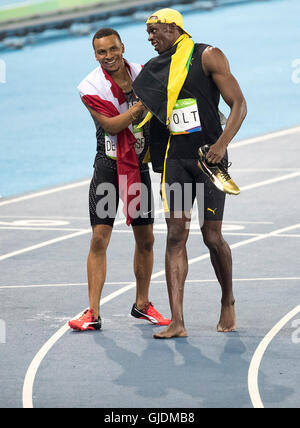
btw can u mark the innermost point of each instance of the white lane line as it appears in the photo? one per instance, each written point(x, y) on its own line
point(27, 395)
point(56, 229)
point(265, 137)
point(270, 181)
point(75, 284)
point(55, 240)
point(45, 192)
point(196, 281)
point(234, 145)
point(33, 368)
point(86, 231)
point(44, 244)
point(190, 281)
point(258, 356)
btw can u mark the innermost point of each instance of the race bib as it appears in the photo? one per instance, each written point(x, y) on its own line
point(111, 143)
point(111, 146)
point(140, 140)
point(185, 118)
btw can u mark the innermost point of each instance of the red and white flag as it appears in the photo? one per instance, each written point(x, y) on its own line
point(101, 93)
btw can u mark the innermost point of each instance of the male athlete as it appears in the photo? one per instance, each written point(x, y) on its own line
point(121, 148)
point(181, 88)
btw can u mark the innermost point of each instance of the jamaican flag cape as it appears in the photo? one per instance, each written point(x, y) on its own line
point(158, 87)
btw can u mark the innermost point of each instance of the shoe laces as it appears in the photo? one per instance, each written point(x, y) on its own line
point(87, 315)
point(150, 310)
point(224, 165)
point(147, 307)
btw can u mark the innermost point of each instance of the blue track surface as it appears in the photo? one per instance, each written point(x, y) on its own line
point(47, 137)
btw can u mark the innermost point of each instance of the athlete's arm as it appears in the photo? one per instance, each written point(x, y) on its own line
point(217, 66)
point(114, 125)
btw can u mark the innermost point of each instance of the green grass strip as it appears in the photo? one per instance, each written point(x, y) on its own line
point(24, 11)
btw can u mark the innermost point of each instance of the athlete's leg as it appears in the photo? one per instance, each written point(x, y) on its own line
point(221, 259)
point(176, 273)
point(143, 262)
point(96, 265)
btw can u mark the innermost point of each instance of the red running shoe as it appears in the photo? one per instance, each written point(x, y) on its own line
point(86, 322)
point(150, 314)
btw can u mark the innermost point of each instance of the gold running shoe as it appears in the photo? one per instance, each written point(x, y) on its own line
point(218, 173)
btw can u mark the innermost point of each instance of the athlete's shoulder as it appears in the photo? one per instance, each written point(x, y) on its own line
point(213, 53)
point(90, 80)
point(214, 59)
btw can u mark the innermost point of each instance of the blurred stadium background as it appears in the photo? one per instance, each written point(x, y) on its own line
point(47, 137)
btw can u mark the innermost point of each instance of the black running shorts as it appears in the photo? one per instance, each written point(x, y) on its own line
point(104, 197)
point(183, 182)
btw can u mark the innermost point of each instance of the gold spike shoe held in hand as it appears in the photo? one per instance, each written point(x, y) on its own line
point(218, 173)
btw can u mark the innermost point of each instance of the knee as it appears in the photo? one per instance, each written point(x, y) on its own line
point(176, 239)
point(212, 239)
point(99, 242)
point(145, 245)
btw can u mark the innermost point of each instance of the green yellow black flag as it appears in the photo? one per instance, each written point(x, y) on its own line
point(161, 80)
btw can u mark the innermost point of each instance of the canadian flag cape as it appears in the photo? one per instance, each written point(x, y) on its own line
point(99, 91)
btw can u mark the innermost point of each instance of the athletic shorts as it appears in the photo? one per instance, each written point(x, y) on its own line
point(104, 197)
point(183, 182)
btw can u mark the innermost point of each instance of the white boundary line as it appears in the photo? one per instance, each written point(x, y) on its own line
point(86, 231)
point(31, 373)
point(258, 356)
point(45, 192)
point(265, 137)
point(44, 244)
point(190, 281)
point(270, 181)
point(55, 240)
point(40, 229)
point(235, 145)
point(27, 395)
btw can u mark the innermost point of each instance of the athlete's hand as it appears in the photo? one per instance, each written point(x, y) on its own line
point(137, 109)
point(141, 107)
point(216, 153)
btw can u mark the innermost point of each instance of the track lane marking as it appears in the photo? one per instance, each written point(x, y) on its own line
point(45, 192)
point(235, 145)
point(86, 231)
point(27, 395)
point(190, 281)
point(270, 136)
point(258, 356)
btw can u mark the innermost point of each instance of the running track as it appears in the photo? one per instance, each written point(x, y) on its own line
point(45, 238)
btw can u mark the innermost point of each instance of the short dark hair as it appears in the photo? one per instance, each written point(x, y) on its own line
point(105, 32)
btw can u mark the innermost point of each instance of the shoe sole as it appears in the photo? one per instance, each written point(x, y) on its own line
point(89, 328)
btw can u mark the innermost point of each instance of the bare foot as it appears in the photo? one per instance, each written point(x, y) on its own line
point(173, 330)
point(227, 321)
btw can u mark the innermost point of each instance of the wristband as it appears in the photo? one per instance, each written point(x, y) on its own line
point(132, 117)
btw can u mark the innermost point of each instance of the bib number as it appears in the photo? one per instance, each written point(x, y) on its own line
point(111, 146)
point(140, 140)
point(185, 118)
point(111, 143)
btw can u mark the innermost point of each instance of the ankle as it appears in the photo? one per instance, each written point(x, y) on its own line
point(228, 301)
point(140, 304)
point(95, 313)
